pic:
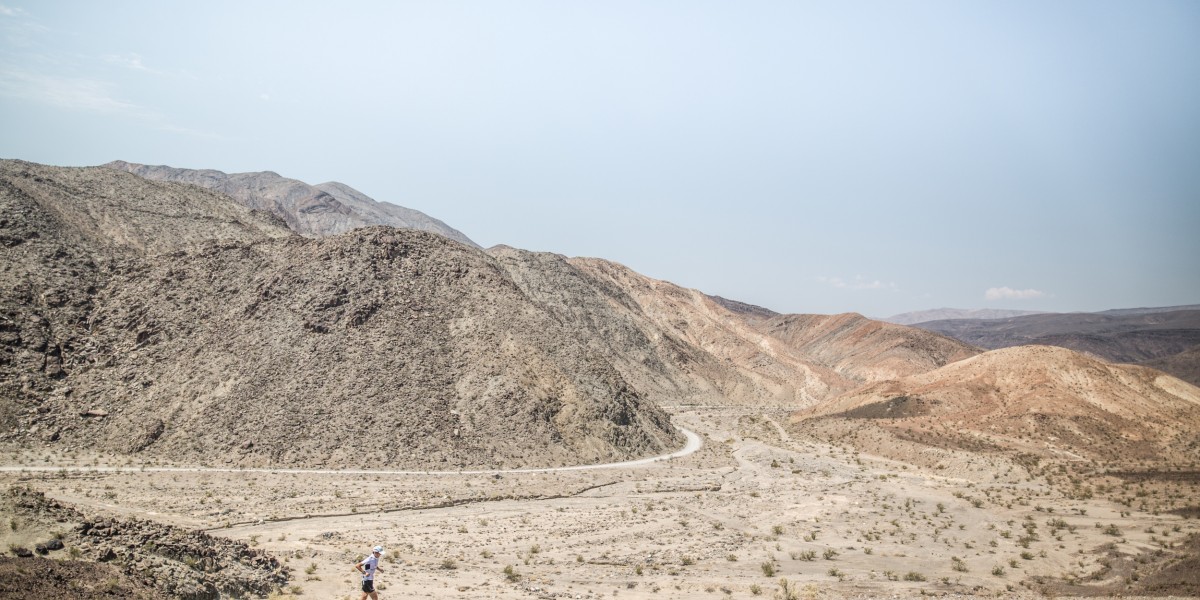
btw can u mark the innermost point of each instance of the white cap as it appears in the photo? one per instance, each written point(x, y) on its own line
point(378, 549)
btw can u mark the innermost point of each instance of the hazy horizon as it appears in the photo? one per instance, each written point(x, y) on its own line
point(867, 156)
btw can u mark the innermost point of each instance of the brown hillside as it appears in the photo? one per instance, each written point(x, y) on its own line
point(1033, 399)
point(718, 345)
point(377, 348)
point(677, 345)
point(864, 350)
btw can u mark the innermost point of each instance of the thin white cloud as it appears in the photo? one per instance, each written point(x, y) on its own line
point(196, 133)
point(65, 92)
point(9, 11)
point(131, 60)
point(1007, 293)
point(88, 95)
point(858, 283)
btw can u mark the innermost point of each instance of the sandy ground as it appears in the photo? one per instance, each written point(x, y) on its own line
point(753, 506)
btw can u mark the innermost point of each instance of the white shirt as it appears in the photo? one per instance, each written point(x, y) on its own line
point(369, 565)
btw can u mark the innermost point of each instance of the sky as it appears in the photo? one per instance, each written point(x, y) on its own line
point(810, 157)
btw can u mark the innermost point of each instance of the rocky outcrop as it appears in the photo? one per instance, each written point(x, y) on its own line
point(190, 565)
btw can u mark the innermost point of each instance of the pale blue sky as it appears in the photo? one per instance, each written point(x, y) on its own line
point(876, 157)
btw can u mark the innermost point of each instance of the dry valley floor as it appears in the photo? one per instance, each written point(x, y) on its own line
point(757, 512)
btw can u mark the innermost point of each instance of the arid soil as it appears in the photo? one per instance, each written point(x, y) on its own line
point(762, 502)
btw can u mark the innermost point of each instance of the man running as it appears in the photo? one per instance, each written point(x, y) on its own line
point(368, 567)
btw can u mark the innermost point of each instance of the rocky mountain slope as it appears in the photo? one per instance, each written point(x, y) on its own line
point(680, 346)
point(161, 319)
point(862, 349)
point(1135, 336)
point(325, 209)
point(164, 320)
point(747, 311)
point(1037, 400)
point(675, 344)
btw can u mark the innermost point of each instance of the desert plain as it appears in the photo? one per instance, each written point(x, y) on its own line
point(761, 509)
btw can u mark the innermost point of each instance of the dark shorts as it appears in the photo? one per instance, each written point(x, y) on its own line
point(368, 586)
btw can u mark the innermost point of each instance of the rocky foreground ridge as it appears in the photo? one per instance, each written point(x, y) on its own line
point(138, 558)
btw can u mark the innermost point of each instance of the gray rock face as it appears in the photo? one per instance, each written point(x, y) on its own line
point(162, 319)
point(321, 210)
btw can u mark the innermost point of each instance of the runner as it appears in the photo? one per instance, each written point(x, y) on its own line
point(368, 567)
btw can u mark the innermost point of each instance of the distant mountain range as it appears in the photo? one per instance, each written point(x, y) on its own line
point(941, 314)
point(946, 314)
point(312, 210)
point(1165, 338)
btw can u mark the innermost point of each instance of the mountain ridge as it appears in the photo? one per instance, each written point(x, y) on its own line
point(1136, 336)
point(325, 209)
point(229, 339)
